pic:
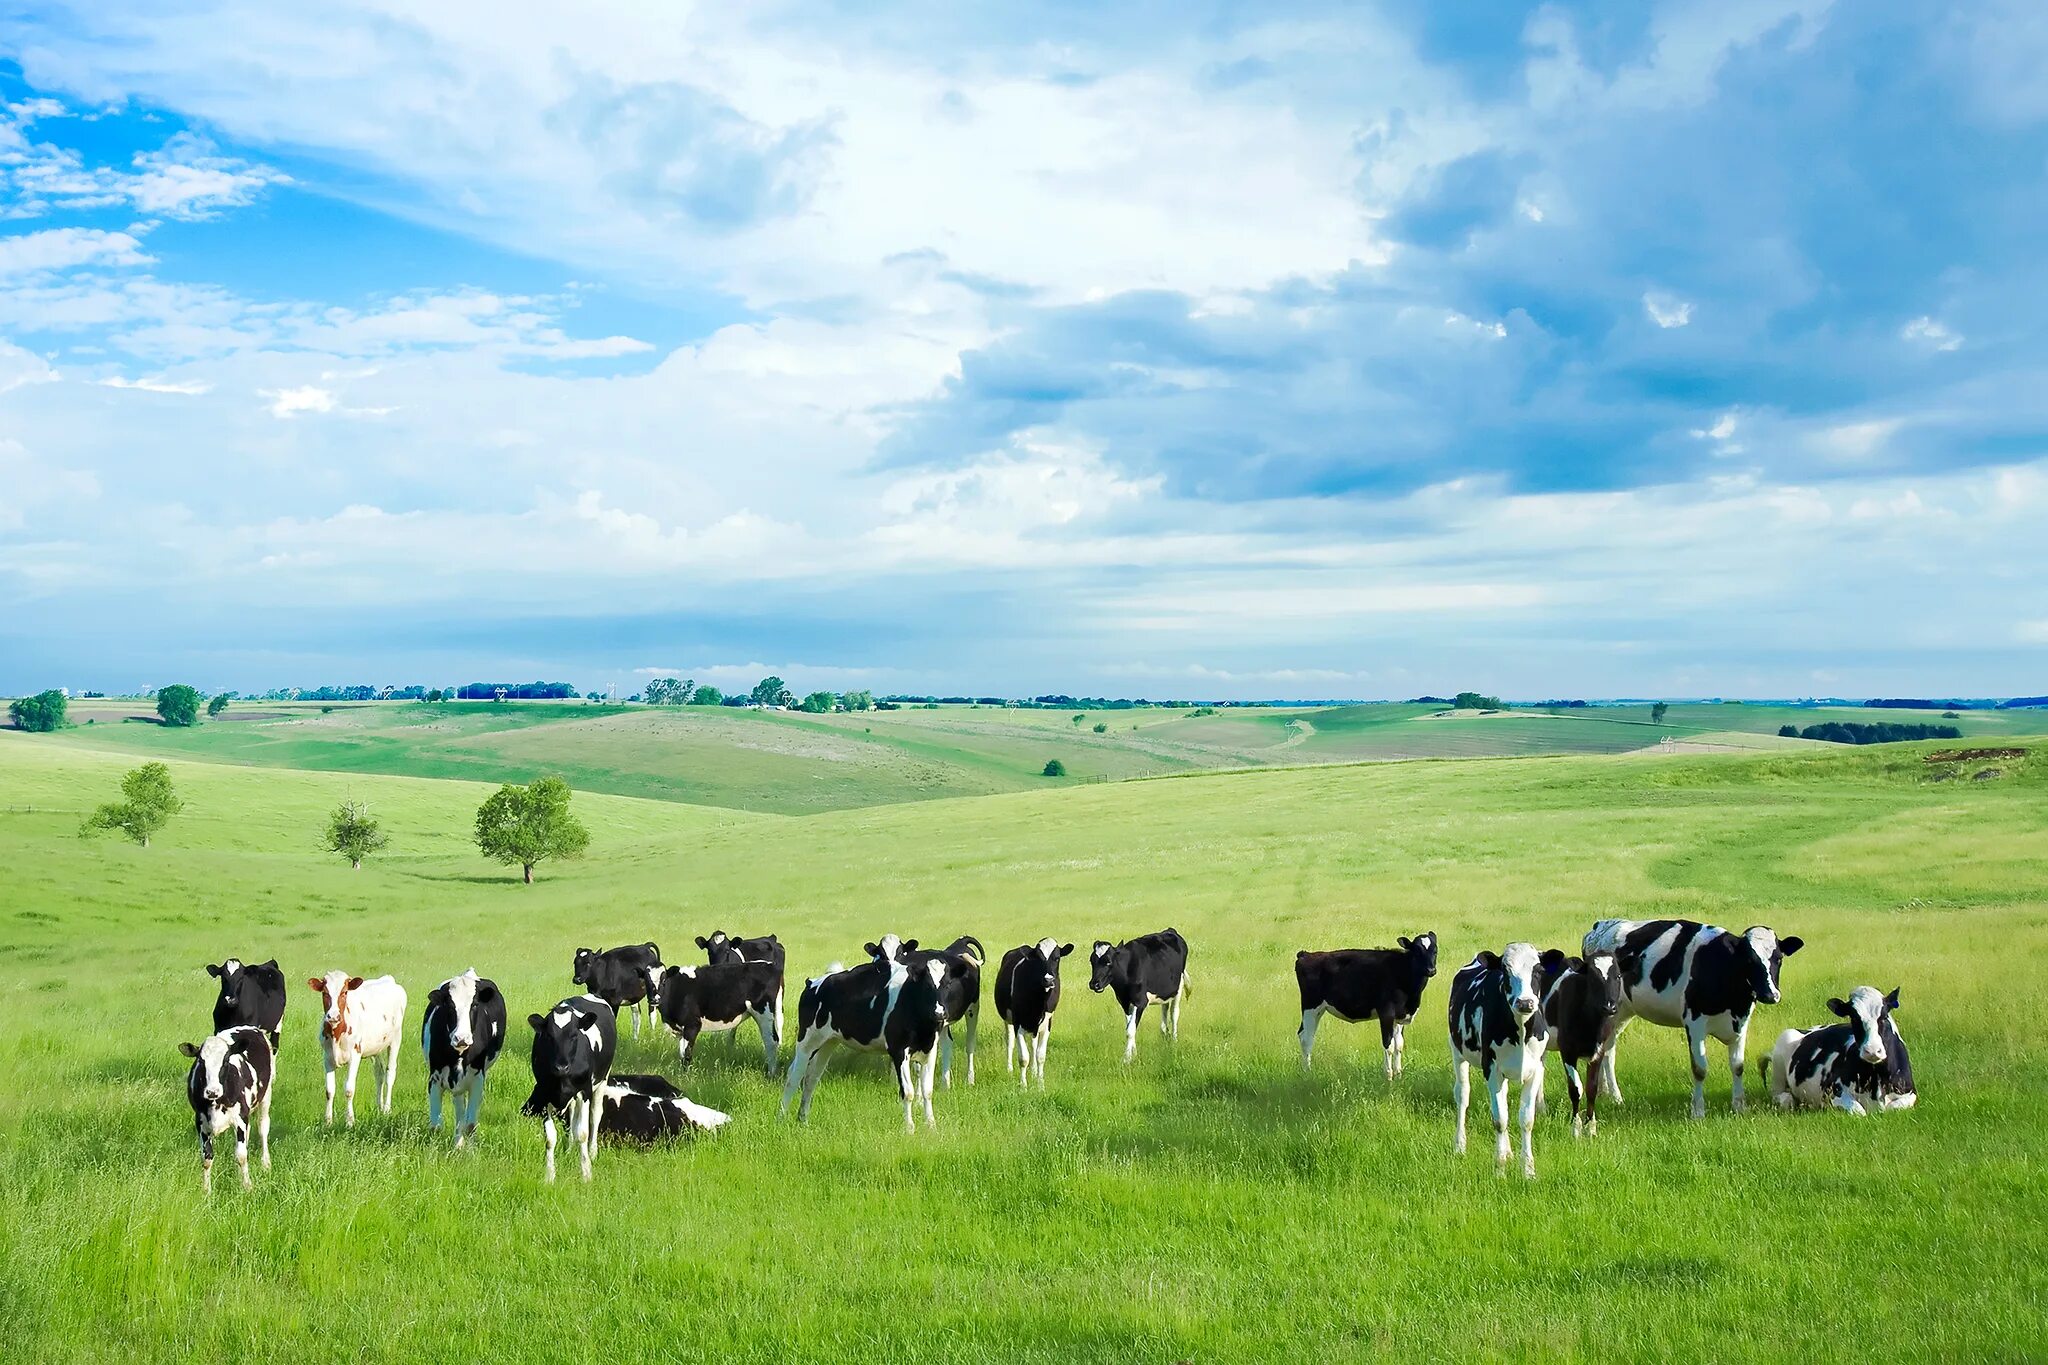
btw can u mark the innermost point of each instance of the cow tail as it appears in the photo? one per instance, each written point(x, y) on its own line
point(976, 953)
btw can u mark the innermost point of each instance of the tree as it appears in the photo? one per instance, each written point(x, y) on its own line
point(1102, 727)
point(1055, 768)
point(670, 691)
point(1475, 701)
point(353, 834)
point(434, 695)
point(147, 805)
point(528, 825)
point(1079, 718)
point(1658, 712)
point(817, 703)
point(1788, 731)
point(770, 691)
point(862, 700)
point(41, 713)
point(178, 704)
point(707, 695)
point(217, 705)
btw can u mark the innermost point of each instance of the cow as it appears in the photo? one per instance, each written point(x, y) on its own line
point(573, 1047)
point(229, 1086)
point(647, 1109)
point(621, 977)
point(251, 993)
point(1497, 1024)
point(1859, 1066)
point(697, 1000)
point(1027, 991)
point(359, 1019)
point(1699, 977)
point(721, 948)
point(460, 1037)
point(880, 1006)
point(1356, 984)
point(963, 957)
point(1583, 1012)
point(1151, 969)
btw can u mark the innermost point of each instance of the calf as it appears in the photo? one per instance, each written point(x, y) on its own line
point(647, 1109)
point(1496, 1023)
point(1151, 969)
point(573, 1047)
point(880, 1006)
point(622, 978)
point(1583, 1012)
point(359, 1019)
point(460, 1037)
point(229, 1084)
point(1683, 974)
point(697, 1000)
point(963, 957)
point(1027, 992)
point(1858, 1066)
point(250, 993)
point(1356, 984)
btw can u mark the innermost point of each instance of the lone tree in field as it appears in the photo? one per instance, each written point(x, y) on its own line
point(41, 713)
point(353, 834)
point(1054, 768)
point(147, 805)
point(178, 704)
point(771, 691)
point(818, 703)
point(217, 705)
point(1658, 712)
point(529, 825)
point(707, 695)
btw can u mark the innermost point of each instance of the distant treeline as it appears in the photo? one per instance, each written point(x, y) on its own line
point(1918, 704)
point(1880, 732)
point(533, 691)
point(2010, 702)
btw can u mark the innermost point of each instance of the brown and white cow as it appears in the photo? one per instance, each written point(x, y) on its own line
point(359, 1019)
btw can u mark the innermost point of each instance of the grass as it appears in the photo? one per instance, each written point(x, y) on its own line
point(1210, 1202)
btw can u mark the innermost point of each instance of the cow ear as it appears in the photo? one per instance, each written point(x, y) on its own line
point(1839, 1006)
point(1553, 960)
point(703, 942)
point(872, 949)
point(535, 1021)
point(1789, 946)
point(1891, 1002)
point(316, 983)
point(486, 991)
point(1065, 949)
point(909, 945)
point(1402, 941)
point(189, 1049)
point(213, 969)
point(271, 963)
point(355, 983)
point(1489, 959)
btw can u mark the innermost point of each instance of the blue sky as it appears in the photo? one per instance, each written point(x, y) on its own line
point(1212, 350)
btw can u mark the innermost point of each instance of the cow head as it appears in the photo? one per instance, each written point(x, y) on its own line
point(1764, 952)
point(718, 949)
point(584, 957)
point(1606, 993)
point(334, 989)
point(1101, 965)
point(560, 1047)
point(1529, 973)
point(922, 994)
point(1048, 954)
point(230, 973)
point(890, 948)
point(209, 1064)
point(1866, 1012)
point(465, 993)
point(1421, 952)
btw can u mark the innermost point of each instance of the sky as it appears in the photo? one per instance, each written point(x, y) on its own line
point(1200, 349)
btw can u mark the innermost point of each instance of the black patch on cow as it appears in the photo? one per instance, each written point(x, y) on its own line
point(1151, 965)
point(251, 994)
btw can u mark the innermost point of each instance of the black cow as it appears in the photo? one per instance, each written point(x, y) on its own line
point(1583, 1010)
point(721, 948)
point(1859, 1066)
point(647, 1109)
point(963, 957)
point(1151, 969)
point(229, 1085)
point(1698, 977)
point(461, 1036)
point(573, 1047)
point(622, 978)
point(250, 993)
point(1356, 984)
point(1027, 991)
point(879, 1006)
point(698, 1000)
point(1496, 1023)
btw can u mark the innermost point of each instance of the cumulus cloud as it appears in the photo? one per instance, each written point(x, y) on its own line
point(1667, 310)
point(54, 249)
point(1931, 334)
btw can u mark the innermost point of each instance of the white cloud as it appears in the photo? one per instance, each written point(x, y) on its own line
point(287, 403)
point(1852, 441)
point(64, 248)
point(1934, 335)
point(191, 388)
point(1667, 310)
point(19, 368)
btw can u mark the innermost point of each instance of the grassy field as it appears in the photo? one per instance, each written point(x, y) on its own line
point(1210, 1202)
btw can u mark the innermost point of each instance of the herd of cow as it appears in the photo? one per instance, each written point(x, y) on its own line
point(1508, 1010)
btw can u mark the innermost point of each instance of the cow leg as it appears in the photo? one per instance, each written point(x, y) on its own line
point(1848, 1103)
point(388, 1076)
point(1044, 1037)
point(1592, 1092)
point(355, 1062)
point(1009, 1046)
point(771, 1042)
point(1696, 1045)
point(1461, 1096)
point(1497, 1096)
point(465, 1116)
point(263, 1127)
point(242, 1149)
point(1532, 1095)
point(929, 1120)
point(945, 1053)
point(1571, 1085)
point(685, 1040)
point(1307, 1034)
point(434, 1103)
point(583, 1128)
point(547, 1128)
point(799, 1061)
point(1400, 1044)
point(1390, 1033)
point(205, 1154)
point(907, 1089)
point(1131, 1031)
point(327, 1065)
point(1738, 1046)
point(973, 1028)
point(1608, 1084)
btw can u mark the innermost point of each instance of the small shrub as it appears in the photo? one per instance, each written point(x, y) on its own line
point(1788, 731)
point(1102, 727)
point(1055, 768)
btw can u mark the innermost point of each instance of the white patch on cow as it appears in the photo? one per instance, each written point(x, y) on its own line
point(686, 970)
point(1868, 1008)
point(1100, 950)
point(1521, 960)
point(1048, 948)
point(462, 999)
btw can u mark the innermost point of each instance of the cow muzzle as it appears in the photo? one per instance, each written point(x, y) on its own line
point(1524, 1006)
point(1873, 1052)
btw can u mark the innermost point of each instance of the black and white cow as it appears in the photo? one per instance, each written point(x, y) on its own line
point(460, 1037)
point(721, 948)
point(963, 957)
point(1583, 1010)
point(573, 1047)
point(1699, 977)
point(621, 977)
point(647, 1109)
point(879, 1006)
point(229, 1087)
point(1027, 991)
point(251, 993)
point(1356, 984)
point(1860, 1066)
point(698, 1000)
point(1151, 969)
point(1497, 1025)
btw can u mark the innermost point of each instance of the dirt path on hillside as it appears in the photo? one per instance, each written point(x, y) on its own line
point(1303, 731)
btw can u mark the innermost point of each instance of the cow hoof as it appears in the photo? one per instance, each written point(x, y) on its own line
point(1592, 1127)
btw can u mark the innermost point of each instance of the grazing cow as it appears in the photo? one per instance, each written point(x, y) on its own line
point(360, 1019)
point(647, 1109)
point(460, 1037)
point(1859, 1066)
point(1151, 969)
point(573, 1047)
point(1356, 984)
point(1027, 991)
point(879, 1006)
point(1583, 1010)
point(1496, 1023)
point(250, 993)
point(1699, 977)
point(229, 1084)
point(622, 978)
point(697, 1000)
point(963, 957)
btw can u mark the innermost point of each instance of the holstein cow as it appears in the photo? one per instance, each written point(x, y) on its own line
point(1027, 992)
point(1583, 1010)
point(622, 978)
point(1151, 969)
point(698, 1000)
point(963, 958)
point(1698, 977)
point(573, 1047)
point(647, 1109)
point(1497, 1025)
point(359, 1019)
point(229, 1084)
point(1858, 1066)
point(1356, 984)
point(460, 1037)
point(722, 948)
point(250, 993)
point(879, 1006)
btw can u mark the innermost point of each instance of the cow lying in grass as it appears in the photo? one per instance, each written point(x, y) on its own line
point(1859, 1066)
point(647, 1109)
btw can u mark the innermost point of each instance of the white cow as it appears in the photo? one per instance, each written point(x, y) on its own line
point(360, 1019)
